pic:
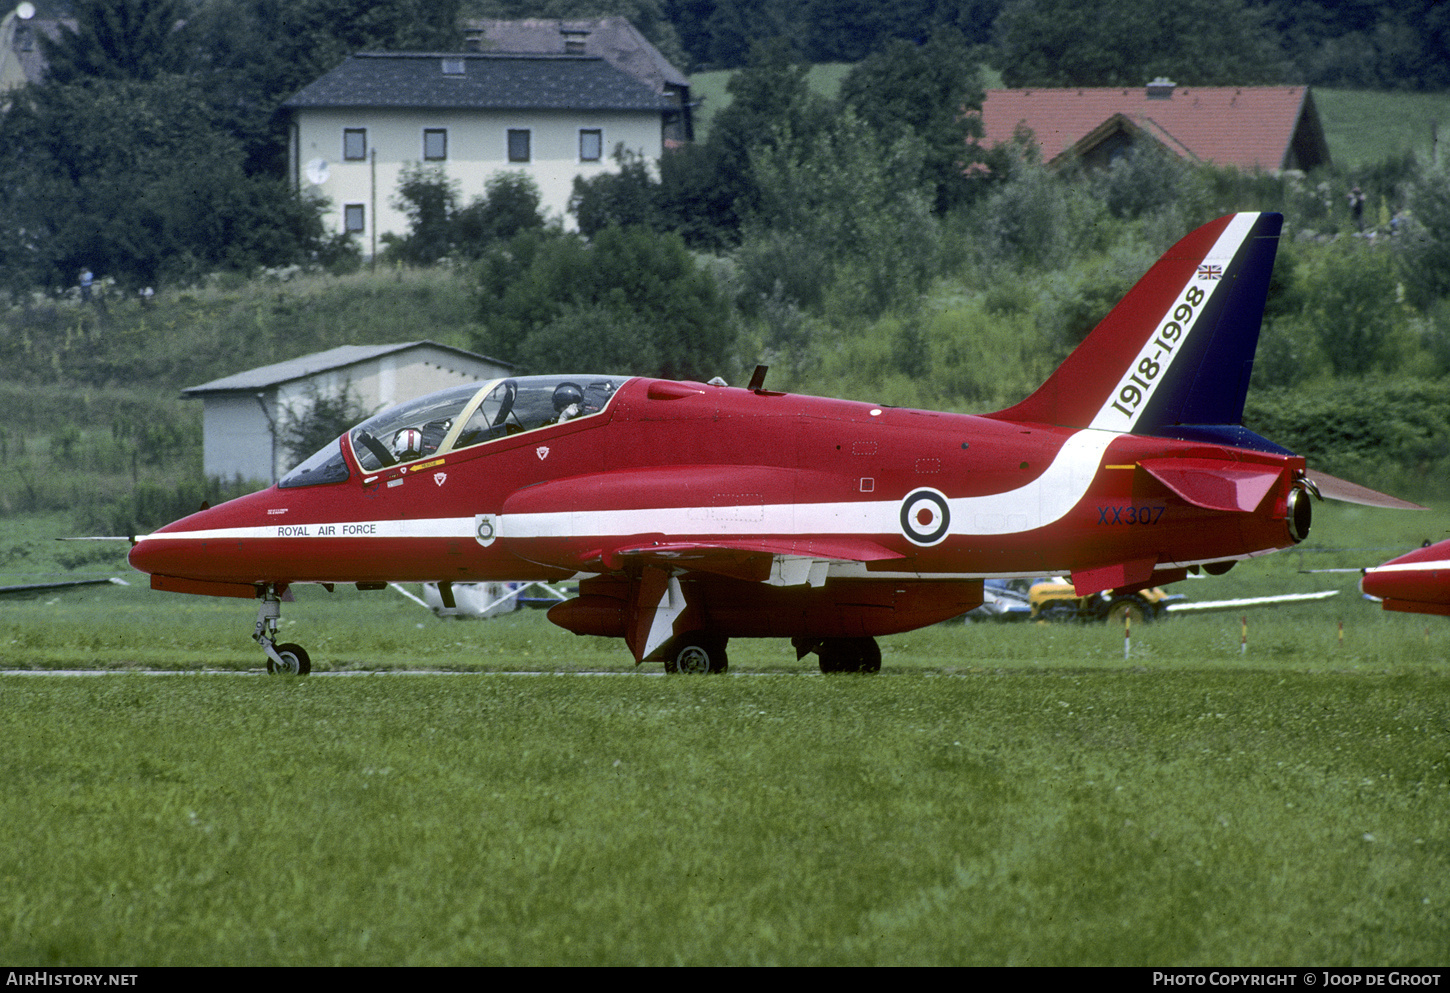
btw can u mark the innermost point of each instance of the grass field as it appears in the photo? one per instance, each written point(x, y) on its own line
point(1000, 794)
point(709, 88)
point(1036, 815)
point(1364, 127)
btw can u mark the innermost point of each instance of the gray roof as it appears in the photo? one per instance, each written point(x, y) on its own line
point(611, 38)
point(489, 81)
point(309, 365)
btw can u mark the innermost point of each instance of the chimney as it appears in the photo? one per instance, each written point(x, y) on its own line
point(1161, 89)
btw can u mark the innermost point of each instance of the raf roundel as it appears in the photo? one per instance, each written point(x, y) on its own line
point(925, 517)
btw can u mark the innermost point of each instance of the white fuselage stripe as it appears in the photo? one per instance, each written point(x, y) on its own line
point(426, 527)
point(1036, 504)
point(1427, 566)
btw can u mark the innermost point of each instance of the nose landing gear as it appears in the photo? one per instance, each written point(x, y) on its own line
point(287, 658)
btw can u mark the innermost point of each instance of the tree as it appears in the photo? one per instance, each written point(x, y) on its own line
point(854, 201)
point(627, 197)
point(118, 39)
point(249, 56)
point(629, 300)
point(1129, 42)
point(927, 90)
point(1385, 44)
point(129, 179)
point(430, 199)
point(439, 227)
point(769, 97)
point(510, 205)
point(1349, 301)
point(850, 30)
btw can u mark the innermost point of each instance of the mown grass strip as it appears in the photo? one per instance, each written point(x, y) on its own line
point(1019, 816)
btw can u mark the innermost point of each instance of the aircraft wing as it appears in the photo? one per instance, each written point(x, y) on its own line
point(1252, 601)
point(1347, 492)
point(779, 562)
point(32, 588)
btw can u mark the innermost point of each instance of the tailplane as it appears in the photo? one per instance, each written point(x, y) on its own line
point(1173, 357)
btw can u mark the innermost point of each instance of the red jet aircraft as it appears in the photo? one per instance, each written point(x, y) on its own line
point(692, 513)
point(1417, 583)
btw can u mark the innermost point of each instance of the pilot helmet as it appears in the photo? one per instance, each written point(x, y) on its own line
point(408, 444)
point(566, 394)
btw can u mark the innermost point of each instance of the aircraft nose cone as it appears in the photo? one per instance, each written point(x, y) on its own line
point(160, 555)
point(176, 549)
point(146, 556)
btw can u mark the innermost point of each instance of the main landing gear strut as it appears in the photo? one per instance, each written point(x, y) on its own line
point(287, 658)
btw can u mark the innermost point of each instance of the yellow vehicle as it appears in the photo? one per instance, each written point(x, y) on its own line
point(1053, 599)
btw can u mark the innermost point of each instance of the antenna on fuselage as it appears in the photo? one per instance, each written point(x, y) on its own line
point(757, 381)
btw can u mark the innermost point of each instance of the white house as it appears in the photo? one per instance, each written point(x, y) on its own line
point(472, 114)
point(245, 415)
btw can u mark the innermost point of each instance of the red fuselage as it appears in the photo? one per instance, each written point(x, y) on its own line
point(1417, 582)
point(672, 463)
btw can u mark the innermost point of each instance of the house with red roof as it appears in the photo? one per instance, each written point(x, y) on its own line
point(1270, 128)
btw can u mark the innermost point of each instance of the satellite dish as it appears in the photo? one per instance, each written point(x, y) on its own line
point(317, 172)
point(25, 11)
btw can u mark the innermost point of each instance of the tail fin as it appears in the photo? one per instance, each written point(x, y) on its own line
point(1173, 357)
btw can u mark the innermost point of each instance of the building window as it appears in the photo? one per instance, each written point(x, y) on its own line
point(591, 145)
point(453, 67)
point(354, 219)
point(354, 144)
point(435, 144)
point(519, 145)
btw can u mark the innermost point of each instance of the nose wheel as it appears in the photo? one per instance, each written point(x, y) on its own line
point(291, 660)
point(286, 659)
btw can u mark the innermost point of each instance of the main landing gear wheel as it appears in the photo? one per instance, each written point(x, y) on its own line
point(849, 655)
point(295, 661)
point(697, 653)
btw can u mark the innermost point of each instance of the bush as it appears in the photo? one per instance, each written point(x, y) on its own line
point(1425, 242)
point(1144, 180)
point(1393, 433)
point(1350, 300)
point(1036, 219)
point(860, 204)
point(152, 504)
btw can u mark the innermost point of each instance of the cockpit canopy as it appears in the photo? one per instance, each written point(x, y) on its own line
point(456, 418)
